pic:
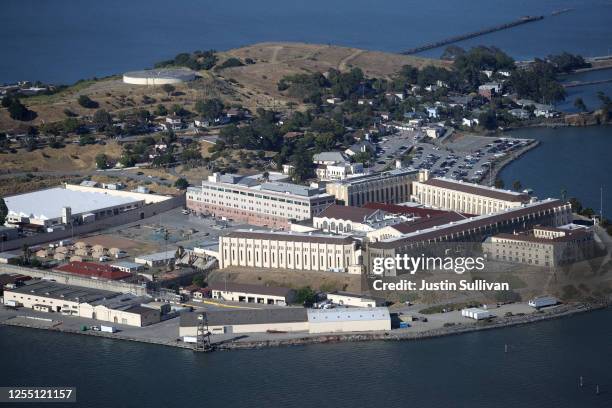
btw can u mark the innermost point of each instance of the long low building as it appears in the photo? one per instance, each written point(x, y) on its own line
point(256, 201)
point(291, 320)
point(348, 320)
point(240, 292)
point(72, 204)
point(289, 250)
point(246, 321)
point(550, 212)
point(355, 299)
point(101, 305)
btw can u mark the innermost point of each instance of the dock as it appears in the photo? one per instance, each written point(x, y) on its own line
point(461, 37)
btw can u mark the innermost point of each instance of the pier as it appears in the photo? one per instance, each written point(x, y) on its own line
point(457, 38)
point(574, 84)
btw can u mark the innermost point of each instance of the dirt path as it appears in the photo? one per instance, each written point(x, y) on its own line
point(343, 65)
point(276, 49)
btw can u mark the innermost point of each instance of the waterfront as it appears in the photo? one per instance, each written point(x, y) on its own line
point(568, 158)
point(541, 369)
point(66, 40)
point(588, 93)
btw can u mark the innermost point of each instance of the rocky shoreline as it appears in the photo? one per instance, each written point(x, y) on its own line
point(455, 329)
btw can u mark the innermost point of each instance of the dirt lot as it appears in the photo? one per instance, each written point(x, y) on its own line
point(69, 158)
point(327, 281)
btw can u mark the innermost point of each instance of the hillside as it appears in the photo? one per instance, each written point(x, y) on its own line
point(251, 86)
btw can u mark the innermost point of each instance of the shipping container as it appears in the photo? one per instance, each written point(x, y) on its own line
point(190, 339)
point(108, 329)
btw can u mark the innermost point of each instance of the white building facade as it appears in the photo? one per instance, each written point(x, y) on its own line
point(271, 204)
point(284, 250)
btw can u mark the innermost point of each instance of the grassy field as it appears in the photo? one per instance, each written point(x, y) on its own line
point(69, 158)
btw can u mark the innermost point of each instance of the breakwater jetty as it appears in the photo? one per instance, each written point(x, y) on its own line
point(461, 37)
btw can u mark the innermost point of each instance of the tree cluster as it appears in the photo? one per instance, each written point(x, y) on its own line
point(198, 60)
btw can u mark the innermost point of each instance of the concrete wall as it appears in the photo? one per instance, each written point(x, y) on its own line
point(76, 280)
point(350, 326)
point(120, 219)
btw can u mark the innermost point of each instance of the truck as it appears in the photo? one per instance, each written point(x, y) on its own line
point(543, 301)
point(11, 303)
point(108, 329)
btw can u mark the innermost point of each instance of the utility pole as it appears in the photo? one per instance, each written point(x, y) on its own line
point(601, 204)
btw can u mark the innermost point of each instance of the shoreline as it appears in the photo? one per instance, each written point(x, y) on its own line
point(501, 322)
point(496, 170)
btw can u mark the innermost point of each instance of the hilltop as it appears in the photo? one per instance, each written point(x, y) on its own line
point(252, 85)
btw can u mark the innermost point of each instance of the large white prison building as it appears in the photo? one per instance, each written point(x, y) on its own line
point(390, 187)
point(468, 198)
point(283, 250)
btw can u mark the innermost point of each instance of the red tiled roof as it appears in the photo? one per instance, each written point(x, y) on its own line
point(342, 212)
point(93, 270)
point(428, 222)
point(409, 210)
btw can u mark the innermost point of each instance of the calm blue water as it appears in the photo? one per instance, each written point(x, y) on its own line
point(572, 159)
point(587, 93)
point(61, 41)
point(541, 370)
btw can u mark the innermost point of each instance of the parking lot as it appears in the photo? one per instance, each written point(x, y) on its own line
point(467, 158)
point(394, 146)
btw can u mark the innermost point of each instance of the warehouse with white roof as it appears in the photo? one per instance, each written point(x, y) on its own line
point(59, 205)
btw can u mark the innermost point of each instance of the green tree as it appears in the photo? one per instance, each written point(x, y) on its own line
point(3, 211)
point(198, 280)
point(304, 295)
point(160, 110)
point(86, 102)
point(102, 119)
point(517, 186)
point(17, 110)
point(488, 120)
point(499, 183)
point(230, 62)
point(211, 109)
point(102, 161)
point(168, 89)
point(181, 184)
point(580, 105)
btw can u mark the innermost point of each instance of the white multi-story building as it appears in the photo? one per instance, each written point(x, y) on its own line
point(389, 187)
point(542, 246)
point(452, 195)
point(335, 166)
point(255, 201)
point(289, 250)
